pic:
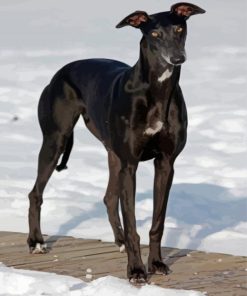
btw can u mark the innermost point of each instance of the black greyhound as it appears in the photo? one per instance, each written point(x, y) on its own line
point(137, 112)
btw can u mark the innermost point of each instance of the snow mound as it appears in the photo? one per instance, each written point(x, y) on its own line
point(34, 283)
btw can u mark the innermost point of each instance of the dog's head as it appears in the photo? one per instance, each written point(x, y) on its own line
point(165, 32)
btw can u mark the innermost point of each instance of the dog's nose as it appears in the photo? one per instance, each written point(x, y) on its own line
point(178, 60)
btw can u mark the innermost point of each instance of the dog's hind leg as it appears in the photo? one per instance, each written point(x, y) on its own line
point(57, 115)
point(48, 157)
point(111, 199)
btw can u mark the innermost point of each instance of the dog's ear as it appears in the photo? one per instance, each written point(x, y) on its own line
point(135, 19)
point(185, 9)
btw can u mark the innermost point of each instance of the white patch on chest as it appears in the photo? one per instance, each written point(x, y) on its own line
point(150, 131)
point(167, 74)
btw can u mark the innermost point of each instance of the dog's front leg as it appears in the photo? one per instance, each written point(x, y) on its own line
point(162, 184)
point(136, 270)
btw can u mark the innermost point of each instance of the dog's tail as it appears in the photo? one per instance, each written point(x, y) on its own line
point(66, 154)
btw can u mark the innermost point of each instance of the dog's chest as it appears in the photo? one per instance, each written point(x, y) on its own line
point(148, 120)
point(154, 121)
point(153, 128)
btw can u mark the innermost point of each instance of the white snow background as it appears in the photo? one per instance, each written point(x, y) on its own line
point(207, 206)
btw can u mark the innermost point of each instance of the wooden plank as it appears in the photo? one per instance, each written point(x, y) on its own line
point(218, 274)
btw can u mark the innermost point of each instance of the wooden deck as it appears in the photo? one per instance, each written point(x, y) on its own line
point(216, 274)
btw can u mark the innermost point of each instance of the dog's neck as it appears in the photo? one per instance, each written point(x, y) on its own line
point(150, 74)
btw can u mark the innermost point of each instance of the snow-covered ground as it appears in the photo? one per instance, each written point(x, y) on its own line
point(33, 283)
point(208, 202)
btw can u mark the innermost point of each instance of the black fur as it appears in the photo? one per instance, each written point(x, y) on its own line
point(137, 112)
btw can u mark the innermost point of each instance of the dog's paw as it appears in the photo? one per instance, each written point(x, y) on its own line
point(138, 281)
point(39, 249)
point(158, 267)
point(138, 276)
point(122, 248)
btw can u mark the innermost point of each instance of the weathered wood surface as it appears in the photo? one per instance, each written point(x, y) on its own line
point(216, 274)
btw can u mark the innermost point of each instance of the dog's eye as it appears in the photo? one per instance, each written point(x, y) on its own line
point(155, 34)
point(179, 29)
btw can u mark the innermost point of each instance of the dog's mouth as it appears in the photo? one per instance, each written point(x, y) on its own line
point(178, 60)
point(174, 60)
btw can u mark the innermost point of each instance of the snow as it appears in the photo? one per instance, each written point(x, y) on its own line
point(208, 201)
point(33, 283)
